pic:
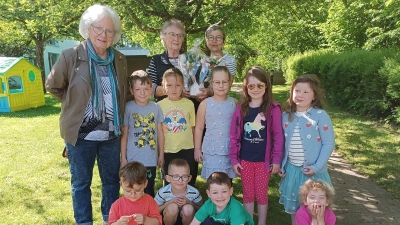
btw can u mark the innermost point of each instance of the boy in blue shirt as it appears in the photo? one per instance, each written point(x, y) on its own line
point(221, 207)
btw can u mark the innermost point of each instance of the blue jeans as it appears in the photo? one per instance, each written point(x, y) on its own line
point(81, 158)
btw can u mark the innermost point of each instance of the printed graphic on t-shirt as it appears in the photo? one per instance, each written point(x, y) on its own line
point(252, 129)
point(147, 134)
point(175, 121)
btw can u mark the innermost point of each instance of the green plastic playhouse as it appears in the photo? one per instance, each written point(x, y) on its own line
point(21, 85)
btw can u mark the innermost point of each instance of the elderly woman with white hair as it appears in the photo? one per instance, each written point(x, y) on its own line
point(172, 35)
point(90, 81)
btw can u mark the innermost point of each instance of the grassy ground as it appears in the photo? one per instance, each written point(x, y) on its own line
point(35, 179)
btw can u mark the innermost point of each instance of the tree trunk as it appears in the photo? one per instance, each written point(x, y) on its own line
point(40, 60)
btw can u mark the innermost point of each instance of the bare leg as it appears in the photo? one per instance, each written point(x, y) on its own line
point(250, 208)
point(262, 213)
point(170, 214)
point(187, 214)
point(293, 216)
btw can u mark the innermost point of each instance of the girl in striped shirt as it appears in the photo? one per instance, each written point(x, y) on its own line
point(309, 140)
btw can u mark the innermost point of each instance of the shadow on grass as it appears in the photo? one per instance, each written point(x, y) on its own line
point(369, 149)
point(51, 107)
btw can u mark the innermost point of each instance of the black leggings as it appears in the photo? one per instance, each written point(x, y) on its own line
point(188, 155)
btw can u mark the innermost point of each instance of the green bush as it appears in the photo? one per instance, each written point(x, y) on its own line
point(367, 82)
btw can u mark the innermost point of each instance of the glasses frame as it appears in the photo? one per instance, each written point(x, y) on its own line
point(217, 38)
point(173, 35)
point(108, 32)
point(259, 86)
point(218, 83)
point(134, 192)
point(176, 177)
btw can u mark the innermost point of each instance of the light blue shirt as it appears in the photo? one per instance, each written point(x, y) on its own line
point(317, 137)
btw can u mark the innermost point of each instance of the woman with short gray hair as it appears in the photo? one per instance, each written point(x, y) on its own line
point(215, 41)
point(91, 82)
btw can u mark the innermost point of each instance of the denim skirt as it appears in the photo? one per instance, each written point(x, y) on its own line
point(291, 183)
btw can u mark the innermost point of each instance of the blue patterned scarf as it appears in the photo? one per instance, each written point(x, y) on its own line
point(97, 91)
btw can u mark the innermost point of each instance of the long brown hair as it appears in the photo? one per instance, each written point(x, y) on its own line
point(260, 74)
point(315, 85)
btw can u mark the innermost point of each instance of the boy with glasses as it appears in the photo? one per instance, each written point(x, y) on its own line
point(134, 207)
point(178, 199)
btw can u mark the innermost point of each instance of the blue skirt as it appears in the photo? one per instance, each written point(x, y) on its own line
point(290, 186)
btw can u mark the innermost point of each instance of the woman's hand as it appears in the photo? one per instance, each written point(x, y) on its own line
point(237, 169)
point(202, 95)
point(186, 94)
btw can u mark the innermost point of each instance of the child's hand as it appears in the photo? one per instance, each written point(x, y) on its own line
point(123, 162)
point(198, 156)
point(124, 220)
point(281, 174)
point(320, 212)
point(237, 168)
point(160, 161)
point(274, 168)
point(181, 201)
point(308, 171)
point(139, 218)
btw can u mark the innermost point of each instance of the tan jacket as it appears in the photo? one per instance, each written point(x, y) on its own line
point(69, 82)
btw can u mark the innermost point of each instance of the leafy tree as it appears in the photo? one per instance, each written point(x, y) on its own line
point(14, 42)
point(42, 20)
point(384, 31)
point(347, 23)
point(196, 15)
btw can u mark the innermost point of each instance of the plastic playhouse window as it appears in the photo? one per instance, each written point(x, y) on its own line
point(15, 84)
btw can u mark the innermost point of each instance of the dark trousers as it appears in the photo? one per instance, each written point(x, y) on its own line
point(151, 176)
point(188, 155)
point(210, 221)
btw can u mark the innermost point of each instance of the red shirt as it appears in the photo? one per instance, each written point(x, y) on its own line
point(125, 207)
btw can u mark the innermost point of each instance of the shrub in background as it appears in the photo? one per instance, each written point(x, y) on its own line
point(367, 82)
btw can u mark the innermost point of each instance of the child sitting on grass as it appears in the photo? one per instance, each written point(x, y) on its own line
point(134, 207)
point(316, 196)
point(178, 198)
point(221, 208)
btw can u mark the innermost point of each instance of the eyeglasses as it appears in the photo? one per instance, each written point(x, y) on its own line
point(218, 83)
point(173, 35)
point(99, 30)
point(216, 38)
point(176, 177)
point(134, 192)
point(252, 86)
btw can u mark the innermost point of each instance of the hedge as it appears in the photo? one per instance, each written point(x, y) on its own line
point(367, 82)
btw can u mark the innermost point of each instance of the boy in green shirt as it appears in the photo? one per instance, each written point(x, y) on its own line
point(221, 207)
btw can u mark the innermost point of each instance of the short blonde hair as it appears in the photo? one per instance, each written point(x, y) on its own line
point(316, 184)
point(96, 13)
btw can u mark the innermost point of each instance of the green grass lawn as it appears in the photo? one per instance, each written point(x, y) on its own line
point(35, 179)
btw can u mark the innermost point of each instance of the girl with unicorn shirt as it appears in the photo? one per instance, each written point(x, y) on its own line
point(256, 140)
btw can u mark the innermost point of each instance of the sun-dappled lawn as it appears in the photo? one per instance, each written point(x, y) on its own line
point(35, 179)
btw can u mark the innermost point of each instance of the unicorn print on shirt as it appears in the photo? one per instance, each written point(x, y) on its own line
point(254, 126)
